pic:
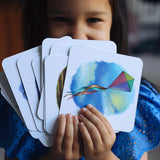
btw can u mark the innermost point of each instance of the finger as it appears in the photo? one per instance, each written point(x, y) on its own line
point(86, 138)
point(97, 122)
point(69, 134)
point(110, 130)
point(58, 139)
point(76, 141)
point(102, 117)
point(92, 130)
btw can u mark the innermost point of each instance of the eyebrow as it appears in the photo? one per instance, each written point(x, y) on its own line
point(94, 13)
point(89, 13)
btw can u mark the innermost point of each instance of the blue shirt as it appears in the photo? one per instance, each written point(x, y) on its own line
point(145, 136)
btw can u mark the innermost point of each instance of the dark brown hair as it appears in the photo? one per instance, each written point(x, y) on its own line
point(35, 23)
point(119, 29)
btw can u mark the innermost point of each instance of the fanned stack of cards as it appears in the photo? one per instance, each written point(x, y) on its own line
point(95, 74)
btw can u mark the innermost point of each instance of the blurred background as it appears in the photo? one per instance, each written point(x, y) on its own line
point(10, 28)
point(144, 38)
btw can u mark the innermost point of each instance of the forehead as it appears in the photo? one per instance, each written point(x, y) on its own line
point(78, 5)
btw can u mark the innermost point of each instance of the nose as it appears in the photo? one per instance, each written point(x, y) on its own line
point(78, 31)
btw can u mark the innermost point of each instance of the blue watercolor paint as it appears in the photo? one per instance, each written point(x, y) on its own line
point(101, 73)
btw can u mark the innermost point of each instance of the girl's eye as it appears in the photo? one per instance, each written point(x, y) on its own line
point(60, 19)
point(93, 20)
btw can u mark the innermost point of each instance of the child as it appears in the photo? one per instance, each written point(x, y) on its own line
point(95, 20)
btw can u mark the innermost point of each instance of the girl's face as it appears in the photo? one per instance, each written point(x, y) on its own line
point(80, 19)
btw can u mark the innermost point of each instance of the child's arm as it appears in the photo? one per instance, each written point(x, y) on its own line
point(66, 143)
point(97, 135)
point(145, 156)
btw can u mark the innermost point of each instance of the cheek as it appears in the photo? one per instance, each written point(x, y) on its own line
point(105, 36)
point(102, 31)
point(102, 34)
point(106, 33)
point(56, 31)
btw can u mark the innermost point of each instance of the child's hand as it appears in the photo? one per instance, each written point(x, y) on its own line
point(66, 145)
point(97, 135)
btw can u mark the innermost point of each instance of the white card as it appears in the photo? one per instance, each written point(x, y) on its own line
point(30, 86)
point(38, 66)
point(32, 92)
point(54, 65)
point(48, 43)
point(11, 72)
point(60, 50)
point(10, 68)
point(36, 70)
point(40, 110)
point(46, 48)
point(100, 80)
point(51, 45)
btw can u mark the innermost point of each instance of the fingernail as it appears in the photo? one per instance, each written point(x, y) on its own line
point(81, 116)
point(61, 115)
point(89, 106)
point(69, 115)
point(81, 123)
point(84, 109)
point(76, 119)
